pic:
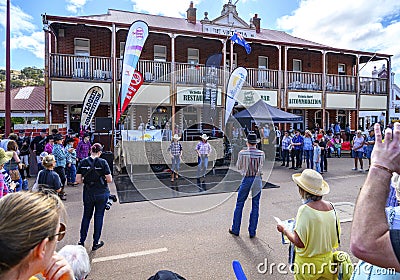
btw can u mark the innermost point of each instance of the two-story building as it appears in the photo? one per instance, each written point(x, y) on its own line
point(319, 82)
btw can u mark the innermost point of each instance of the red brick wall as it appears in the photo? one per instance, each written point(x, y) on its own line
point(311, 60)
point(334, 59)
point(100, 39)
point(251, 61)
point(206, 48)
point(58, 113)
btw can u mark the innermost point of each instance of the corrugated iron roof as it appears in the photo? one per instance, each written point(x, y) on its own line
point(181, 24)
point(27, 99)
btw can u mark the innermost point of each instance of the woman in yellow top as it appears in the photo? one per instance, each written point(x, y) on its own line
point(315, 234)
point(30, 227)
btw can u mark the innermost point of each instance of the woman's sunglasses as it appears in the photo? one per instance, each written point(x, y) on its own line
point(61, 232)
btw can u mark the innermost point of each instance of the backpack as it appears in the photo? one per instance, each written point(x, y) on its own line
point(100, 177)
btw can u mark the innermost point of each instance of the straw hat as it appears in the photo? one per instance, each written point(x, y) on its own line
point(204, 137)
point(176, 137)
point(312, 182)
point(5, 156)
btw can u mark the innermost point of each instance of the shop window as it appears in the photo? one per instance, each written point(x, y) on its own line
point(342, 118)
point(297, 65)
point(193, 56)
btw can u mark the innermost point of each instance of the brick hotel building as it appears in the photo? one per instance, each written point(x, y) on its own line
point(319, 82)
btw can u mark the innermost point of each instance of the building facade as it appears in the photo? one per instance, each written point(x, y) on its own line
point(318, 82)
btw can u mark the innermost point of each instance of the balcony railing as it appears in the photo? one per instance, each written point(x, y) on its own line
point(373, 85)
point(305, 81)
point(82, 67)
point(262, 78)
point(191, 74)
point(100, 68)
point(340, 83)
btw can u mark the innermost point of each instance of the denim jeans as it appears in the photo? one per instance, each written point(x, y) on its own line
point(93, 202)
point(202, 166)
point(317, 167)
point(309, 158)
point(285, 156)
point(71, 173)
point(255, 185)
point(176, 161)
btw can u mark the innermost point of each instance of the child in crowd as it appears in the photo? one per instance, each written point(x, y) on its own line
point(317, 156)
point(71, 162)
point(42, 156)
point(49, 146)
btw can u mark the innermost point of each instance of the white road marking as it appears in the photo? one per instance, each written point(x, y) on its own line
point(129, 255)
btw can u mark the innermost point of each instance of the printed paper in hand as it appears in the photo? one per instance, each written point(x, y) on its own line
point(288, 225)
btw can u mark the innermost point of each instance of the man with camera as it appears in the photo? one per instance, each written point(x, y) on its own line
point(95, 175)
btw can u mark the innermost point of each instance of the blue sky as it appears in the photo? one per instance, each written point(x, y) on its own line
point(358, 24)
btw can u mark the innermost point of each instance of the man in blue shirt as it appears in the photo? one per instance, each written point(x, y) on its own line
point(297, 146)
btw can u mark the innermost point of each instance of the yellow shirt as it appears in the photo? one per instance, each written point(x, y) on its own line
point(317, 231)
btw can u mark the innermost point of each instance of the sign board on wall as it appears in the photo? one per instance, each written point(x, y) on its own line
point(193, 96)
point(248, 97)
point(228, 30)
point(305, 100)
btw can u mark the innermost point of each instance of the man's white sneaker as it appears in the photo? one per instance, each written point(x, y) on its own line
point(361, 170)
point(354, 169)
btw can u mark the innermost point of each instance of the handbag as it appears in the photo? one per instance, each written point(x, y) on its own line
point(342, 259)
point(14, 174)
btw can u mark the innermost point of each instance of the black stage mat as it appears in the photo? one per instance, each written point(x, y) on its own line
point(158, 186)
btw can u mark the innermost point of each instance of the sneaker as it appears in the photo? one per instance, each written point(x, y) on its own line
point(361, 170)
point(354, 169)
point(97, 246)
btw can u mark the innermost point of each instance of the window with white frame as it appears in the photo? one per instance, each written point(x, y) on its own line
point(160, 53)
point(193, 56)
point(297, 67)
point(262, 62)
point(121, 49)
point(341, 69)
point(82, 46)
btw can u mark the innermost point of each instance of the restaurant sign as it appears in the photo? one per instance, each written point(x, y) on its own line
point(193, 96)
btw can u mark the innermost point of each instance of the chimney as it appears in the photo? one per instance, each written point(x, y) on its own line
point(191, 13)
point(257, 23)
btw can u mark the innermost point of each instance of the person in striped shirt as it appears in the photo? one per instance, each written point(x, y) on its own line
point(249, 164)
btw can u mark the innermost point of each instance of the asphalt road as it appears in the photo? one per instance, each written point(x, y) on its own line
point(189, 235)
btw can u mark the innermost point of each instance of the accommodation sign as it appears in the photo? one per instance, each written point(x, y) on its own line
point(304, 100)
point(193, 96)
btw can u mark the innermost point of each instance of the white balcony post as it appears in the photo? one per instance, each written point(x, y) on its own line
point(173, 82)
point(324, 57)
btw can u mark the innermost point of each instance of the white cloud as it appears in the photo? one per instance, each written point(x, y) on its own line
point(167, 8)
point(74, 5)
point(24, 34)
point(358, 25)
point(33, 43)
point(20, 21)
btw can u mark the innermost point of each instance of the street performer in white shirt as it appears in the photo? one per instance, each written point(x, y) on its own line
point(249, 164)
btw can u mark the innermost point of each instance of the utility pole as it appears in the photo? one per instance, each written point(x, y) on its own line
point(7, 124)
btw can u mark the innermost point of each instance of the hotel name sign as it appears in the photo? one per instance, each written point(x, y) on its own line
point(228, 31)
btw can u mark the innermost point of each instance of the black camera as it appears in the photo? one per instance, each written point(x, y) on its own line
point(112, 198)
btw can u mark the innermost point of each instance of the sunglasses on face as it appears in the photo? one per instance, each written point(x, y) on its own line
point(61, 232)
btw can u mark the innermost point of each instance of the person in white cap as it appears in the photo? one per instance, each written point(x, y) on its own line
point(203, 149)
point(175, 150)
point(317, 228)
